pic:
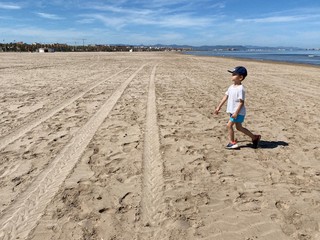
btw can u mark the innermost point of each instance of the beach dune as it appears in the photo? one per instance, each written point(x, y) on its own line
point(126, 146)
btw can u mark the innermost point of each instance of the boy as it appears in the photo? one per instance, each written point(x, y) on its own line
point(235, 107)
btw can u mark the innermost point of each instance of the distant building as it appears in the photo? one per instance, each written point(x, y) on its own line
point(45, 50)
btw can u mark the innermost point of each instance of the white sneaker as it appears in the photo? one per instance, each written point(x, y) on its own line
point(232, 146)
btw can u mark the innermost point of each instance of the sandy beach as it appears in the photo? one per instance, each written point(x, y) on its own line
point(110, 146)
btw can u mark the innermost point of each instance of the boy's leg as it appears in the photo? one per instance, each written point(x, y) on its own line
point(230, 131)
point(255, 138)
point(245, 131)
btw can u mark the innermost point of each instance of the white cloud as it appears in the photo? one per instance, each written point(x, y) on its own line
point(108, 21)
point(8, 6)
point(271, 19)
point(152, 19)
point(40, 34)
point(49, 16)
point(293, 15)
point(173, 21)
point(5, 18)
point(116, 9)
point(155, 12)
point(86, 21)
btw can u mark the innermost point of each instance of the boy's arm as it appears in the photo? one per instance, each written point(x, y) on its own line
point(236, 113)
point(224, 99)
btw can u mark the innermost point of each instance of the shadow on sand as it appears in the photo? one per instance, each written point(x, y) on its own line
point(268, 144)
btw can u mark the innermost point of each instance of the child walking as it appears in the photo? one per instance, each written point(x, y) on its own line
point(235, 96)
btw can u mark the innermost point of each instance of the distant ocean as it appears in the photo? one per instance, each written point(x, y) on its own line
point(304, 57)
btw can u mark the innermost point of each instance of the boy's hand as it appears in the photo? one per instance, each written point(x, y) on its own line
point(234, 115)
point(217, 110)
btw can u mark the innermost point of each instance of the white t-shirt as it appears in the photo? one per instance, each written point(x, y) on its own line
point(235, 93)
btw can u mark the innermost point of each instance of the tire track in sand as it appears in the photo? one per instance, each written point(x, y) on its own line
point(22, 216)
point(153, 208)
point(20, 131)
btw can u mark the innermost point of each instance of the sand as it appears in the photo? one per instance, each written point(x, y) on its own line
point(125, 146)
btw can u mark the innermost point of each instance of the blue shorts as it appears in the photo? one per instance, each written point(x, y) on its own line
point(239, 119)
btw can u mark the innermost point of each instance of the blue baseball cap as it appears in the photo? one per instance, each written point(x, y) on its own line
point(239, 70)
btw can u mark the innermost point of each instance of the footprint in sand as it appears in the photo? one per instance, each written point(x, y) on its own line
point(249, 201)
point(294, 222)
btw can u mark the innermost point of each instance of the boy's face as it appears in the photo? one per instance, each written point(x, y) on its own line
point(236, 78)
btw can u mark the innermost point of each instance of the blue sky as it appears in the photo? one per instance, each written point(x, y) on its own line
point(202, 22)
